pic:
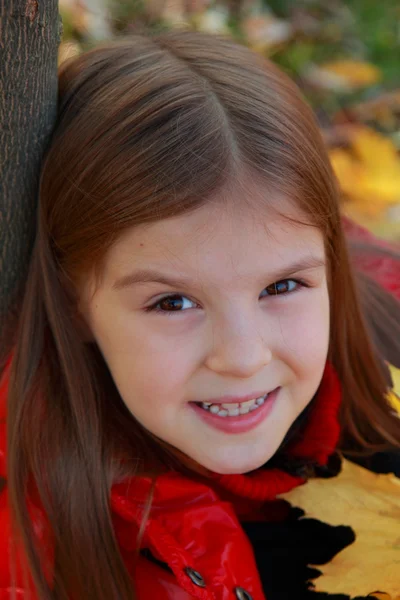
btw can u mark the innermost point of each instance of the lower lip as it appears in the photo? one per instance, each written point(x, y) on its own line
point(242, 423)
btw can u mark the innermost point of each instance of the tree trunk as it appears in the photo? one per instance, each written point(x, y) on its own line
point(30, 32)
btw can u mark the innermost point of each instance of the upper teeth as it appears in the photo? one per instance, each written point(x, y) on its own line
point(234, 410)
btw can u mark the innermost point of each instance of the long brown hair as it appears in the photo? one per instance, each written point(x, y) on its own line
point(150, 127)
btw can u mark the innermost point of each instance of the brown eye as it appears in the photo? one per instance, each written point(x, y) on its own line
point(285, 286)
point(171, 303)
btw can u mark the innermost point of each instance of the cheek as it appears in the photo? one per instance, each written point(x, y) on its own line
point(304, 330)
point(145, 365)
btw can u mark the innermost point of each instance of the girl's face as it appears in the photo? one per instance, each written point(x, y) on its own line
point(223, 303)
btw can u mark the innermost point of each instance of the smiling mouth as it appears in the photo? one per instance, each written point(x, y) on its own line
point(233, 409)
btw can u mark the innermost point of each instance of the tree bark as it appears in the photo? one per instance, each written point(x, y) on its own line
point(30, 32)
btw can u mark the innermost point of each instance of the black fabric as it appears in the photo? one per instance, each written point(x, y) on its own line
point(307, 469)
point(380, 462)
point(284, 551)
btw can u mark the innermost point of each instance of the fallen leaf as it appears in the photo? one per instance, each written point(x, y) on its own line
point(356, 73)
point(395, 373)
point(368, 171)
point(394, 396)
point(344, 75)
point(370, 504)
point(68, 50)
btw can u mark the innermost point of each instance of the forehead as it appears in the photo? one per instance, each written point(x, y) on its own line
point(220, 240)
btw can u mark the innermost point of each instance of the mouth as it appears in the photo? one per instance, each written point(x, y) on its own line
point(233, 409)
point(236, 417)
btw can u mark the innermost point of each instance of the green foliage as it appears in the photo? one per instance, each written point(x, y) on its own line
point(358, 29)
point(377, 25)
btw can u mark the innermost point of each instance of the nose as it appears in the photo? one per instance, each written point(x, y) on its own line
point(238, 349)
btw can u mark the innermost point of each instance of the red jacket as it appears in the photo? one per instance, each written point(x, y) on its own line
point(195, 543)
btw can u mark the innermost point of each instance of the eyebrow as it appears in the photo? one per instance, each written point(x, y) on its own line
point(153, 276)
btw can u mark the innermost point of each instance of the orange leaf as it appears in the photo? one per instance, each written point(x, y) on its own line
point(368, 173)
point(345, 75)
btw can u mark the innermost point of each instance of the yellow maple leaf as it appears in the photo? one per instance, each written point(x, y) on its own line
point(394, 401)
point(350, 172)
point(369, 171)
point(370, 504)
point(395, 373)
point(344, 75)
point(394, 395)
point(354, 73)
point(380, 159)
point(68, 50)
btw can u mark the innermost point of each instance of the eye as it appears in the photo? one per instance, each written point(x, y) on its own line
point(172, 303)
point(179, 303)
point(280, 288)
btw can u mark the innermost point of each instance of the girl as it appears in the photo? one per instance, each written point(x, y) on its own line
point(191, 342)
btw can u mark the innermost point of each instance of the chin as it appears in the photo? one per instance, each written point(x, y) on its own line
point(236, 467)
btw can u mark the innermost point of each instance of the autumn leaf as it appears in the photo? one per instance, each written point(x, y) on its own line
point(68, 50)
point(394, 402)
point(343, 75)
point(395, 373)
point(394, 396)
point(355, 73)
point(369, 171)
point(370, 504)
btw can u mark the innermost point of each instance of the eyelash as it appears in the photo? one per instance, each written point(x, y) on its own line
point(153, 307)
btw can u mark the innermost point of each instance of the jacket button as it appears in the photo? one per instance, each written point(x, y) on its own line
point(195, 577)
point(241, 594)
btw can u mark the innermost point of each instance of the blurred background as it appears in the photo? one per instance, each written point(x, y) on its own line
point(344, 54)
